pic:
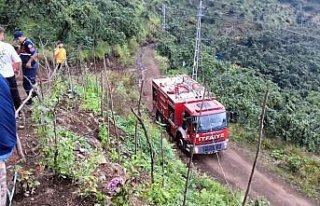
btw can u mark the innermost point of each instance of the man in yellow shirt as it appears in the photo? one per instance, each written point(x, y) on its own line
point(60, 54)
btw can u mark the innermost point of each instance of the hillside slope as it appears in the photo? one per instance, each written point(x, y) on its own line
point(262, 44)
point(273, 48)
point(266, 185)
point(266, 47)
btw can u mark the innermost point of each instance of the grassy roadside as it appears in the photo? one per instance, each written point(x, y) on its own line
point(169, 184)
point(293, 164)
point(85, 170)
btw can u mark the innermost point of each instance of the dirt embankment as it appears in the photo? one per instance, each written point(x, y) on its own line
point(236, 165)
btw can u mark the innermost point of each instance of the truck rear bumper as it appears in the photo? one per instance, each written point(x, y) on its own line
point(209, 148)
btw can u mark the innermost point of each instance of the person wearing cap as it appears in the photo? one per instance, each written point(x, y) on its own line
point(28, 54)
point(60, 54)
point(8, 134)
point(9, 59)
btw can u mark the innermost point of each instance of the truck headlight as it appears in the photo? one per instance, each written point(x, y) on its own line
point(196, 150)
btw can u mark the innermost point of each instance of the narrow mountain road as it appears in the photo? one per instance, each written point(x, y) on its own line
point(237, 168)
point(236, 165)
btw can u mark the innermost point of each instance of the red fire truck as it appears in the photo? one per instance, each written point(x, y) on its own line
point(179, 103)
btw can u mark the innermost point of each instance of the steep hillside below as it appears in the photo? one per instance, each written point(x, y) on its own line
point(241, 60)
point(225, 166)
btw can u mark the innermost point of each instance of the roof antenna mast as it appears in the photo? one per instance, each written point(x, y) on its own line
point(197, 44)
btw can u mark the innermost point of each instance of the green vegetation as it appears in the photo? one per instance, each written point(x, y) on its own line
point(260, 49)
point(169, 184)
point(300, 168)
point(82, 168)
point(89, 28)
point(283, 60)
point(58, 144)
point(91, 92)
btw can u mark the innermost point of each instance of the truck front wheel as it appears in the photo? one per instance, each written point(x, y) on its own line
point(181, 142)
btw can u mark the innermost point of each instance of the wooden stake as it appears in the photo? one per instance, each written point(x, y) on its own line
point(149, 144)
point(262, 115)
point(56, 150)
point(136, 126)
point(192, 151)
point(114, 119)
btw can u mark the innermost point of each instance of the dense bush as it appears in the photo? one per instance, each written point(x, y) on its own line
point(255, 54)
point(81, 24)
point(288, 59)
point(289, 117)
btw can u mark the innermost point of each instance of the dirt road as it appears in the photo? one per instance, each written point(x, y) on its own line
point(149, 68)
point(236, 165)
point(237, 168)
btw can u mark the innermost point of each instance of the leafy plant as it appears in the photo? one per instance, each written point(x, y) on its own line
point(103, 135)
point(92, 95)
point(28, 181)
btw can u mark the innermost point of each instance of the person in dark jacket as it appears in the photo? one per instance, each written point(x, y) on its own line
point(8, 134)
point(28, 55)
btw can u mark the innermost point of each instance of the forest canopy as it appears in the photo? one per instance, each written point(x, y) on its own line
point(260, 43)
point(256, 50)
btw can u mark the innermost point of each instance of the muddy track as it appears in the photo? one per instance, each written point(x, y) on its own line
point(149, 68)
point(236, 165)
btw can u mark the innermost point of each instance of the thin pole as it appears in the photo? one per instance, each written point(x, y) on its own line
point(164, 18)
point(262, 115)
point(193, 146)
point(197, 45)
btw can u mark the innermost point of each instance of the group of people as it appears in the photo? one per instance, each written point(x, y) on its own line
point(12, 61)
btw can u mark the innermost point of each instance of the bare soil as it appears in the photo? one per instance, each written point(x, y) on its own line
point(53, 193)
point(53, 190)
point(235, 162)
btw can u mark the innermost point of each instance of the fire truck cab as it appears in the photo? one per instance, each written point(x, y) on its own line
point(190, 117)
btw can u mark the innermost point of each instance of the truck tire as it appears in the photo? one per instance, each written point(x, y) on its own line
point(180, 141)
point(159, 117)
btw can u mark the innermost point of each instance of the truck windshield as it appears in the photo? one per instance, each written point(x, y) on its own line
point(212, 122)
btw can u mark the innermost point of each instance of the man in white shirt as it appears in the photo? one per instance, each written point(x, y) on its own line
point(9, 58)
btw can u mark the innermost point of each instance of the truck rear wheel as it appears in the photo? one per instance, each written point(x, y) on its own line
point(159, 117)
